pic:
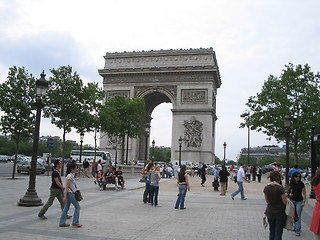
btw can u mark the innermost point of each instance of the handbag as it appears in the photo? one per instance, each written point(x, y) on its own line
point(77, 194)
point(290, 212)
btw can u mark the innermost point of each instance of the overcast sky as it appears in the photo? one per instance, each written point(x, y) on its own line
point(252, 39)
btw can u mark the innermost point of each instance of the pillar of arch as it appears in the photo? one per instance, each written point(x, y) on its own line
point(189, 79)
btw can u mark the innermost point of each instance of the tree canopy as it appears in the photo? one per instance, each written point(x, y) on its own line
point(122, 116)
point(294, 93)
point(17, 101)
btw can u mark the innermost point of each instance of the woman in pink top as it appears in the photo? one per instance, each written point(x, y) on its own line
point(315, 222)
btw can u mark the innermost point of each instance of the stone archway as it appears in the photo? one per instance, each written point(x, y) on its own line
point(187, 78)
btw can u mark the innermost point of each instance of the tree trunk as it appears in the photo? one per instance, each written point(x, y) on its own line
point(63, 151)
point(122, 149)
point(15, 158)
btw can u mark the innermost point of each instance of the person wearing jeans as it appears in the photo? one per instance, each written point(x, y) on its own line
point(241, 177)
point(154, 185)
point(276, 199)
point(183, 185)
point(297, 194)
point(147, 190)
point(69, 198)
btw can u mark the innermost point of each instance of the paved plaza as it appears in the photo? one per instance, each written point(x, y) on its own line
point(120, 215)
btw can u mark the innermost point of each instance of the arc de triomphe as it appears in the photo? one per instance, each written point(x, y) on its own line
point(187, 78)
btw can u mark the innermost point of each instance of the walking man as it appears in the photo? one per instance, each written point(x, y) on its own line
point(56, 190)
point(241, 177)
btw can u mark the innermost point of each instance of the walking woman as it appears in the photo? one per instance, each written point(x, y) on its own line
point(183, 185)
point(146, 194)
point(298, 195)
point(276, 199)
point(154, 185)
point(315, 223)
point(69, 198)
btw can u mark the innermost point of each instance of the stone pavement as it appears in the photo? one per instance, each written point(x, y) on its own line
point(120, 215)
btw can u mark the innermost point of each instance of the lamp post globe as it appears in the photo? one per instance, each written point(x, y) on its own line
point(31, 197)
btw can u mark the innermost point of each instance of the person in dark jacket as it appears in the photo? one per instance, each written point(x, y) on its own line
point(203, 174)
point(223, 175)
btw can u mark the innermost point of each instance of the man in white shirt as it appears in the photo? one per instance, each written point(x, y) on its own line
point(241, 177)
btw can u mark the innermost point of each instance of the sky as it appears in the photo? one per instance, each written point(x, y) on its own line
point(251, 39)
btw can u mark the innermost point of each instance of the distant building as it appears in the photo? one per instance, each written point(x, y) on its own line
point(272, 151)
point(44, 139)
point(264, 151)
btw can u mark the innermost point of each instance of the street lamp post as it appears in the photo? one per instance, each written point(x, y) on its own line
point(116, 155)
point(243, 115)
point(147, 130)
point(224, 153)
point(313, 160)
point(287, 124)
point(153, 144)
point(180, 145)
point(81, 142)
point(31, 198)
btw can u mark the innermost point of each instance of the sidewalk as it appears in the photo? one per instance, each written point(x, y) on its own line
point(120, 215)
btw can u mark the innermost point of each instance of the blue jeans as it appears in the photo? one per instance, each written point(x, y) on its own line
point(240, 190)
point(146, 194)
point(70, 199)
point(181, 195)
point(297, 224)
point(154, 190)
point(276, 222)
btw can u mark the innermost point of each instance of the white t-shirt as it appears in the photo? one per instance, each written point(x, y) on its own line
point(240, 175)
point(72, 184)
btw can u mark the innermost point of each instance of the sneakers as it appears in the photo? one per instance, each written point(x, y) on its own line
point(43, 217)
point(232, 197)
point(244, 198)
point(182, 208)
point(68, 216)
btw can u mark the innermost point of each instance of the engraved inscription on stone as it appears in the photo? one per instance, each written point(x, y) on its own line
point(194, 96)
point(112, 94)
point(193, 132)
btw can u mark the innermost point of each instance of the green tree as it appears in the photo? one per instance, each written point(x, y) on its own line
point(294, 93)
point(88, 117)
point(17, 98)
point(122, 116)
point(64, 101)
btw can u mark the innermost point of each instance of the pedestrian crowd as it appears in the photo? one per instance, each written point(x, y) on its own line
point(283, 209)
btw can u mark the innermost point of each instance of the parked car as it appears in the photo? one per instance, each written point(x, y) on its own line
point(25, 166)
point(4, 158)
point(44, 163)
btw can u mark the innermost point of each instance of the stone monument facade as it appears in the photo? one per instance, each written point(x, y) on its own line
point(188, 78)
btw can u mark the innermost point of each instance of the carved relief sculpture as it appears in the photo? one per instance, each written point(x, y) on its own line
point(193, 132)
